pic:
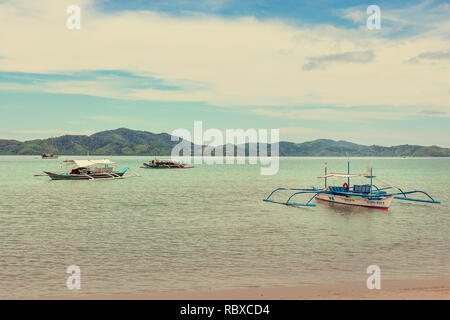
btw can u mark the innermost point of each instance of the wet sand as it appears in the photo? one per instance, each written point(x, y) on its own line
point(390, 290)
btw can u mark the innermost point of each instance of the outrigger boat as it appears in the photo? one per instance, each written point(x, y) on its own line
point(366, 195)
point(88, 170)
point(164, 164)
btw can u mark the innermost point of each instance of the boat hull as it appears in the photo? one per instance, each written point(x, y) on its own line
point(146, 166)
point(99, 176)
point(166, 167)
point(382, 203)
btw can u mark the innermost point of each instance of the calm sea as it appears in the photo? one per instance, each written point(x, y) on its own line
point(208, 227)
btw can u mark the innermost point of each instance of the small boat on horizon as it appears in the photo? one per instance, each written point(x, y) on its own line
point(49, 156)
point(164, 164)
point(88, 170)
point(366, 195)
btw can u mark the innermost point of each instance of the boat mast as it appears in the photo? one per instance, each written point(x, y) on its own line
point(348, 172)
point(370, 179)
point(53, 145)
point(325, 174)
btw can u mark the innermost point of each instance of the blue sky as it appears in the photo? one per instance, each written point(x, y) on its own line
point(297, 12)
point(310, 68)
point(319, 11)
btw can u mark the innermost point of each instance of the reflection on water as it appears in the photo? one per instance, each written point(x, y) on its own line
point(208, 227)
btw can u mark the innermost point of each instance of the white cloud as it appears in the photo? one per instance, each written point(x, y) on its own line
point(299, 131)
point(350, 114)
point(354, 15)
point(431, 56)
point(388, 137)
point(321, 62)
point(243, 61)
point(110, 119)
point(33, 134)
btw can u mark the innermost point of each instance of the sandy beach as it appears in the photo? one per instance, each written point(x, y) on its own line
point(437, 289)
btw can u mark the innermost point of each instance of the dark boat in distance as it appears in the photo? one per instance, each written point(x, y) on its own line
point(49, 156)
point(164, 164)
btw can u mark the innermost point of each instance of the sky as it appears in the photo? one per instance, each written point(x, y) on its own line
point(310, 68)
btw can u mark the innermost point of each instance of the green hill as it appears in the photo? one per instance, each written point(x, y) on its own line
point(132, 142)
point(344, 148)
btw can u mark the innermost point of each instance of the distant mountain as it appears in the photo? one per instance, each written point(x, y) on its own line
point(343, 148)
point(131, 142)
point(8, 146)
point(113, 142)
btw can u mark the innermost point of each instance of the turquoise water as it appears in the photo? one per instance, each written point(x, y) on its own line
point(208, 227)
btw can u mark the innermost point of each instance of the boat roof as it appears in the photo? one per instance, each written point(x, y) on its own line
point(345, 175)
point(167, 161)
point(88, 163)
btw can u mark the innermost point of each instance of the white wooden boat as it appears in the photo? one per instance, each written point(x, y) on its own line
point(366, 195)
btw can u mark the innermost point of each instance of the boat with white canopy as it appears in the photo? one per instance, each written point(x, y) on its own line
point(88, 170)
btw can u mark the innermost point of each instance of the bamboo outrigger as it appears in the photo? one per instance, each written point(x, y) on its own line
point(367, 195)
